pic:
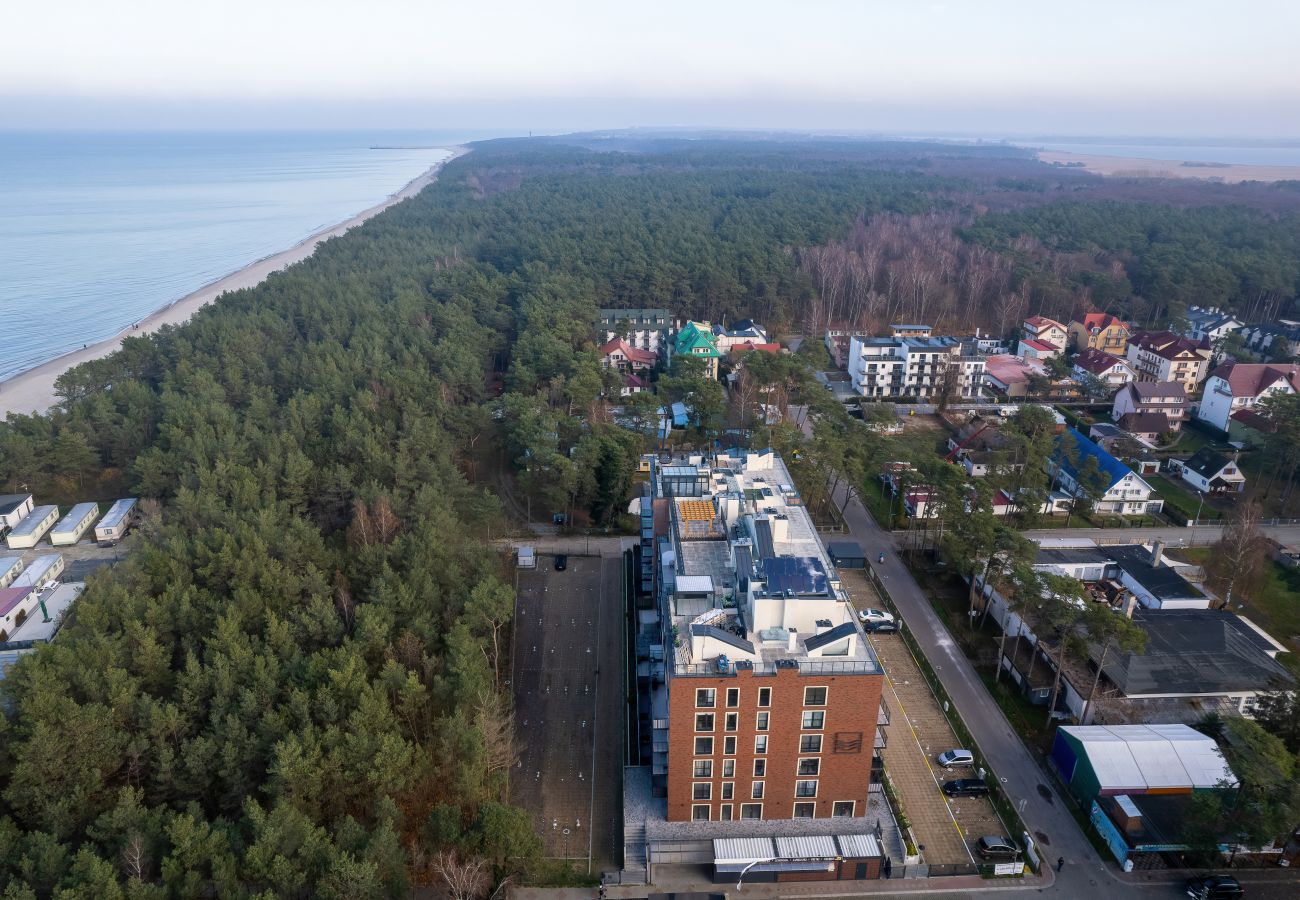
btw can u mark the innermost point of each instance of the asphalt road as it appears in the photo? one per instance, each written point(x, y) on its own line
point(1287, 535)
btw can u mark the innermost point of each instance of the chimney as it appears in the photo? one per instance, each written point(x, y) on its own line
point(823, 625)
point(794, 640)
point(1130, 604)
point(1157, 552)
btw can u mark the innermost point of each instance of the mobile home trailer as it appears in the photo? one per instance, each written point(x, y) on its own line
point(32, 528)
point(12, 509)
point(74, 525)
point(116, 522)
point(41, 572)
point(10, 566)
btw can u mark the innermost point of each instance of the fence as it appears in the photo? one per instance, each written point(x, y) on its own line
point(1002, 804)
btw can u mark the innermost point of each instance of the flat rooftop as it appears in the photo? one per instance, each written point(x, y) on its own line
point(58, 600)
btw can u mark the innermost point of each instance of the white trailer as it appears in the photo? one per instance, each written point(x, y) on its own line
point(32, 528)
point(12, 509)
point(42, 571)
point(116, 522)
point(10, 566)
point(74, 525)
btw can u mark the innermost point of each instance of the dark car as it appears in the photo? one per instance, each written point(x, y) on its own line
point(561, 562)
point(1214, 887)
point(882, 627)
point(966, 787)
point(993, 846)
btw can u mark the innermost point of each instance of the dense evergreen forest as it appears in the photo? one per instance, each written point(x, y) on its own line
point(293, 686)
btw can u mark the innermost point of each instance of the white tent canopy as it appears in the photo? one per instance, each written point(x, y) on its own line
point(1151, 758)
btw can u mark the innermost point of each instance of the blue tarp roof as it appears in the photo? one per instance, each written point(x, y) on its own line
point(1087, 447)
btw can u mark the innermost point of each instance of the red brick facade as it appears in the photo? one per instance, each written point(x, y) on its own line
point(842, 765)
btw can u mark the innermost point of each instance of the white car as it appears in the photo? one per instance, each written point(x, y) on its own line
point(874, 616)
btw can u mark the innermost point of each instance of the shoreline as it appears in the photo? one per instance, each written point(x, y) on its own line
point(32, 391)
point(1139, 167)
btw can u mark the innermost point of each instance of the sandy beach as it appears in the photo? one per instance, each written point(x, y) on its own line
point(1133, 167)
point(33, 391)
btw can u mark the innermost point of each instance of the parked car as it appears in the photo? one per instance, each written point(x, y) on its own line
point(966, 787)
point(561, 562)
point(872, 616)
point(950, 758)
point(994, 846)
point(881, 627)
point(1214, 887)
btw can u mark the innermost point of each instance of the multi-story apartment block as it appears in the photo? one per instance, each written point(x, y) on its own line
point(773, 692)
point(1232, 388)
point(1041, 328)
point(1099, 331)
point(915, 368)
point(1165, 356)
point(645, 329)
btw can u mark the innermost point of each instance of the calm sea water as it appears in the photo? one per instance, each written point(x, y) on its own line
point(1242, 154)
point(99, 230)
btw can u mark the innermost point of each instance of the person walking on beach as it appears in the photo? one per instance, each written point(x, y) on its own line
point(1060, 863)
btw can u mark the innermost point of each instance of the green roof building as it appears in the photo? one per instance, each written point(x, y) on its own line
point(695, 339)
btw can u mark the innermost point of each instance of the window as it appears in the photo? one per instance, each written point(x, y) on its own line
point(810, 743)
point(807, 766)
point(760, 768)
point(726, 812)
point(732, 721)
point(729, 746)
point(704, 746)
point(814, 696)
point(760, 744)
point(764, 696)
point(842, 808)
point(761, 724)
point(728, 768)
point(728, 789)
point(700, 812)
point(805, 810)
point(705, 698)
point(704, 768)
point(805, 788)
point(703, 790)
point(814, 719)
point(756, 790)
point(733, 697)
point(751, 810)
point(704, 721)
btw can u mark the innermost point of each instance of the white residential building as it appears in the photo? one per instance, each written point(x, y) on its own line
point(914, 368)
point(1242, 385)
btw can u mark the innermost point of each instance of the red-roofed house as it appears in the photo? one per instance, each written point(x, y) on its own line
point(1099, 331)
point(1113, 371)
point(1165, 397)
point(1239, 386)
point(633, 384)
point(619, 354)
point(1041, 328)
point(741, 349)
point(1165, 356)
point(1032, 348)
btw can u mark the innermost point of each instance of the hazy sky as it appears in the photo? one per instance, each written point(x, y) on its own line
point(1149, 67)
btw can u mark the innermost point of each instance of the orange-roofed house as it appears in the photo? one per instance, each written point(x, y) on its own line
point(1041, 328)
point(1099, 331)
point(619, 354)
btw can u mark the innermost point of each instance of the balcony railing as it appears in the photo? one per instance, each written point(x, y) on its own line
point(819, 666)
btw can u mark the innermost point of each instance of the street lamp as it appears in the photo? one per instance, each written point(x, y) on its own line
point(1200, 494)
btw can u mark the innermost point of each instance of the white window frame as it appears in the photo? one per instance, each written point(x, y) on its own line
point(794, 809)
point(729, 745)
point(728, 790)
point(808, 737)
point(713, 721)
point(711, 693)
point(725, 813)
point(817, 687)
point(799, 796)
point(815, 760)
point(733, 692)
point(708, 790)
point(708, 812)
point(702, 768)
point(853, 808)
point(764, 693)
point(803, 726)
point(756, 790)
point(745, 806)
point(731, 721)
point(699, 752)
point(760, 744)
point(760, 764)
point(762, 720)
point(728, 768)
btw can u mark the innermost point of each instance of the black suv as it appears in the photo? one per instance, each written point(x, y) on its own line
point(561, 562)
point(966, 787)
point(1214, 887)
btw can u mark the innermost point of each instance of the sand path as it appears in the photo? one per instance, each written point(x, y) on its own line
point(33, 391)
point(1132, 167)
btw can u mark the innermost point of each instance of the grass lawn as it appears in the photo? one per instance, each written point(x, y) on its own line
point(1180, 503)
point(1275, 607)
point(1189, 440)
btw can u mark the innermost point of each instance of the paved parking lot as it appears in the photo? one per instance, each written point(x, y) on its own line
point(80, 559)
point(917, 732)
point(568, 700)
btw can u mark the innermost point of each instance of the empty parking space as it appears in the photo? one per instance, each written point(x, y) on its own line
point(568, 693)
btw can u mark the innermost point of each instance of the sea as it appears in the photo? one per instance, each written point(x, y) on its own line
point(98, 230)
point(1243, 154)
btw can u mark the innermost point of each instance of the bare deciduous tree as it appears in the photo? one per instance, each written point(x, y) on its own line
point(464, 879)
point(1237, 563)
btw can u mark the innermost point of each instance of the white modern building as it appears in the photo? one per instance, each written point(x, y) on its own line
point(1242, 385)
point(914, 368)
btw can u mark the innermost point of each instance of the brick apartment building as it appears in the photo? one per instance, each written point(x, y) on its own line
point(771, 706)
